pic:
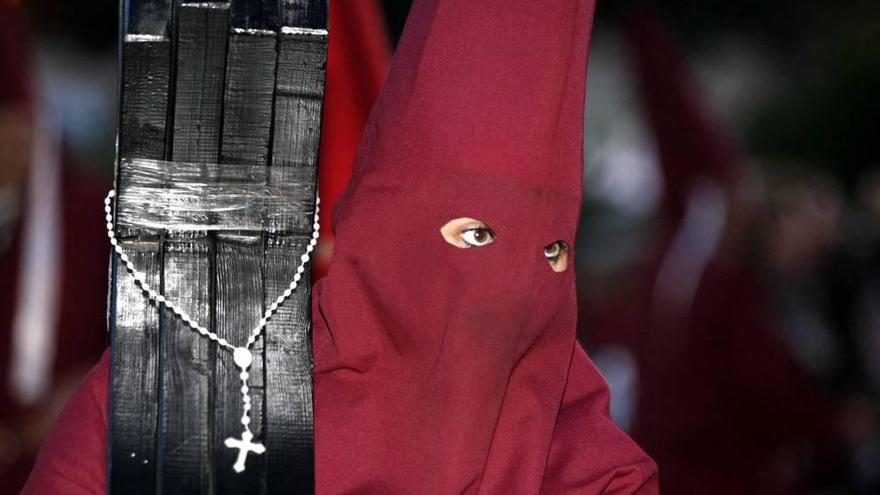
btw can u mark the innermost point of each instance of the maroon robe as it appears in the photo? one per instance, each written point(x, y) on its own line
point(80, 334)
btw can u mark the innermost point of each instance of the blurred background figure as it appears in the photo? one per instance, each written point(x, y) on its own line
point(52, 265)
point(724, 284)
point(729, 253)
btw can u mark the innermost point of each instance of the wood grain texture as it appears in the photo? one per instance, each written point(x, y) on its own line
point(134, 368)
point(144, 107)
point(147, 16)
point(255, 14)
point(303, 13)
point(240, 97)
point(247, 121)
point(289, 413)
point(133, 321)
point(250, 86)
point(299, 99)
point(239, 308)
point(186, 445)
point(201, 60)
point(187, 374)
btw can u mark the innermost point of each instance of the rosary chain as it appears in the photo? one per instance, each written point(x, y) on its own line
point(157, 298)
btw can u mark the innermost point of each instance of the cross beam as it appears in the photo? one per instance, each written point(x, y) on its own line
point(237, 82)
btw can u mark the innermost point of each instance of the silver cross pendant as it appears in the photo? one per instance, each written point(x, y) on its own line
point(244, 446)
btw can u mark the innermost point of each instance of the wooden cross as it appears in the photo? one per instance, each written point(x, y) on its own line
point(226, 82)
point(244, 446)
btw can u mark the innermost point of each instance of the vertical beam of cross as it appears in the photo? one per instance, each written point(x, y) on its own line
point(289, 423)
point(196, 87)
point(133, 322)
point(247, 125)
point(187, 374)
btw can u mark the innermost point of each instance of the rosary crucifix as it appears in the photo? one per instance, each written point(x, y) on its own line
point(244, 446)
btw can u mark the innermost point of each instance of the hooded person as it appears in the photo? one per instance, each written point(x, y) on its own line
point(444, 331)
point(445, 353)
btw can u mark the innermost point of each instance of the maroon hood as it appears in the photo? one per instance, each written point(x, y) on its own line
point(447, 370)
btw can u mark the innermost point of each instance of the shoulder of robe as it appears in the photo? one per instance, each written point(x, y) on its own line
point(73, 460)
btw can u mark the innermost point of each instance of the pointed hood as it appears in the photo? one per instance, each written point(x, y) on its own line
point(691, 143)
point(447, 370)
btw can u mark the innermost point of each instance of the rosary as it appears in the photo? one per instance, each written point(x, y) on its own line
point(243, 356)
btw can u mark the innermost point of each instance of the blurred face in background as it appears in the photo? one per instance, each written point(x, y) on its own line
point(806, 220)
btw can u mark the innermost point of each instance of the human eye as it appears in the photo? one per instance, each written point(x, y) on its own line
point(477, 236)
point(557, 254)
point(467, 233)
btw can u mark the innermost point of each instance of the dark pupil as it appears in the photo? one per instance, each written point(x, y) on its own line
point(480, 235)
point(552, 250)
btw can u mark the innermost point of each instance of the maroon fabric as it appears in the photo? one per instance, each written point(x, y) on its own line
point(72, 461)
point(79, 335)
point(441, 370)
point(14, 57)
point(727, 412)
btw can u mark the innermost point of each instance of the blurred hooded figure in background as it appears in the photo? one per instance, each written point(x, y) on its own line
point(444, 331)
point(52, 281)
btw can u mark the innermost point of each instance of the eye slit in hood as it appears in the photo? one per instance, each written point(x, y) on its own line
point(558, 255)
point(466, 233)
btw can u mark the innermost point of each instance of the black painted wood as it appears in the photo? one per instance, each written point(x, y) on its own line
point(289, 422)
point(147, 16)
point(133, 322)
point(134, 392)
point(274, 14)
point(255, 14)
point(210, 82)
point(201, 62)
point(298, 101)
point(247, 122)
point(186, 446)
point(303, 13)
